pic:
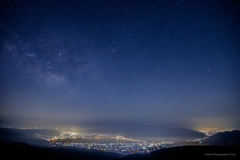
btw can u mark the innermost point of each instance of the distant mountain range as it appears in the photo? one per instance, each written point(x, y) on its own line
point(26, 136)
point(29, 131)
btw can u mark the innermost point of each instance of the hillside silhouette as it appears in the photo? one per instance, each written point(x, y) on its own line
point(22, 150)
point(224, 138)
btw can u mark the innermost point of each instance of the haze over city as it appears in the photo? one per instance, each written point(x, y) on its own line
point(144, 67)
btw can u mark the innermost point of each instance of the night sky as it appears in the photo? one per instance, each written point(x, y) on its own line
point(93, 64)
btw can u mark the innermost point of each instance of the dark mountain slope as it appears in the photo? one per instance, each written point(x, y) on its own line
point(224, 138)
point(27, 152)
point(233, 135)
point(190, 152)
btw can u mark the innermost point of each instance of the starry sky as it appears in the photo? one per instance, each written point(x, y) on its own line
point(120, 63)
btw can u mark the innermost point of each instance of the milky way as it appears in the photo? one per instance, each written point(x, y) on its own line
point(120, 63)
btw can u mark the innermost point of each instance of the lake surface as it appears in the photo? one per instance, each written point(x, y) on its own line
point(151, 133)
point(100, 140)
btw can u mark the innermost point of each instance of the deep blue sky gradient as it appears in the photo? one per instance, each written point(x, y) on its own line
point(120, 63)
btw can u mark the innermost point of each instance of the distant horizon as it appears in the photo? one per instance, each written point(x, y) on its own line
point(79, 127)
point(173, 134)
point(66, 128)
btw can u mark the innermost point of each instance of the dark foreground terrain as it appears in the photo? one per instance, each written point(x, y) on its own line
point(25, 151)
point(191, 152)
point(19, 144)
